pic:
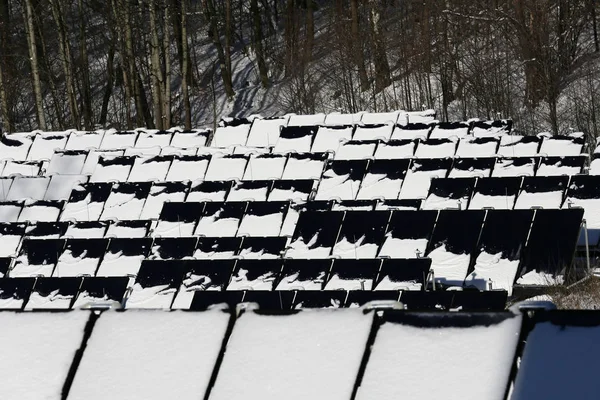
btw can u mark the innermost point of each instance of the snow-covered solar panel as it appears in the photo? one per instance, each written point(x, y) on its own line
point(216, 247)
point(112, 169)
point(265, 166)
point(408, 234)
point(128, 229)
point(10, 238)
point(291, 190)
point(416, 117)
point(341, 180)
point(402, 274)
point(86, 229)
point(380, 118)
point(515, 166)
point(86, 202)
point(562, 146)
point(37, 257)
point(93, 157)
point(306, 119)
point(169, 248)
point(176, 151)
point(10, 210)
point(500, 250)
point(554, 166)
point(41, 210)
point(161, 193)
point(101, 290)
point(328, 138)
point(395, 149)
point(43, 369)
point(153, 138)
point(150, 168)
point(178, 219)
point(234, 133)
point(118, 140)
point(255, 275)
point(353, 205)
point(123, 257)
point(155, 286)
point(584, 192)
point(274, 352)
point(479, 345)
point(383, 179)
point(23, 188)
point(449, 193)
point(472, 167)
point(253, 248)
point(5, 184)
point(181, 166)
point(249, 191)
point(373, 132)
point(144, 153)
point(544, 192)
point(315, 235)
point(445, 130)
point(220, 219)
point(264, 132)
point(209, 190)
point(474, 147)
point(418, 177)
point(15, 146)
point(295, 139)
point(353, 274)
point(496, 128)
point(228, 167)
point(61, 186)
point(436, 148)
point(263, 219)
point(46, 230)
point(24, 168)
point(560, 351)
point(250, 150)
point(190, 139)
point(53, 293)
point(550, 246)
point(453, 243)
point(336, 118)
point(361, 234)
point(14, 292)
point(215, 150)
point(412, 131)
point(67, 162)
point(134, 341)
point(303, 274)
point(356, 150)
point(496, 193)
point(519, 146)
point(80, 257)
point(305, 299)
point(304, 166)
point(44, 144)
point(82, 140)
point(200, 276)
point(126, 201)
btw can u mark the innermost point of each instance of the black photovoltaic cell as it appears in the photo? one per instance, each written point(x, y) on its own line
point(173, 248)
point(324, 224)
point(207, 274)
point(466, 164)
point(65, 286)
point(106, 288)
point(98, 192)
point(319, 299)
point(452, 188)
point(412, 224)
point(466, 300)
point(181, 212)
point(364, 270)
point(204, 300)
point(552, 241)
point(498, 186)
point(157, 273)
point(402, 271)
point(358, 298)
point(458, 230)
point(129, 247)
point(368, 224)
point(584, 187)
point(15, 289)
point(505, 231)
point(272, 245)
point(45, 229)
point(298, 270)
point(250, 270)
point(538, 184)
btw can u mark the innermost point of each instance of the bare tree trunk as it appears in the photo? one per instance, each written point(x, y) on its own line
point(357, 47)
point(185, 69)
point(110, 78)
point(211, 16)
point(6, 120)
point(290, 35)
point(382, 68)
point(257, 43)
point(35, 71)
point(228, 34)
point(167, 75)
point(88, 113)
point(67, 61)
point(157, 79)
point(310, 30)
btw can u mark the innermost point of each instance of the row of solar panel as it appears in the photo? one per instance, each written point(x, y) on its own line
point(351, 179)
point(475, 248)
point(184, 293)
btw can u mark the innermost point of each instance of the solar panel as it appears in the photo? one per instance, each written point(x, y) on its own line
point(315, 235)
point(361, 234)
point(496, 193)
point(295, 138)
point(408, 233)
point(383, 179)
point(341, 180)
point(353, 274)
point(449, 193)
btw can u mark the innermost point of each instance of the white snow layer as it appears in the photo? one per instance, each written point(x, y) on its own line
point(231, 135)
point(511, 146)
point(264, 168)
point(539, 199)
point(32, 368)
point(265, 132)
point(501, 202)
point(449, 268)
point(383, 132)
point(409, 362)
point(492, 268)
point(313, 354)
point(150, 355)
point(416, 183)
point(402, 248)
point(328, 139)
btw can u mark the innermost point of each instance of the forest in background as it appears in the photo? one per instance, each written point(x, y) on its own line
point(87, 64)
